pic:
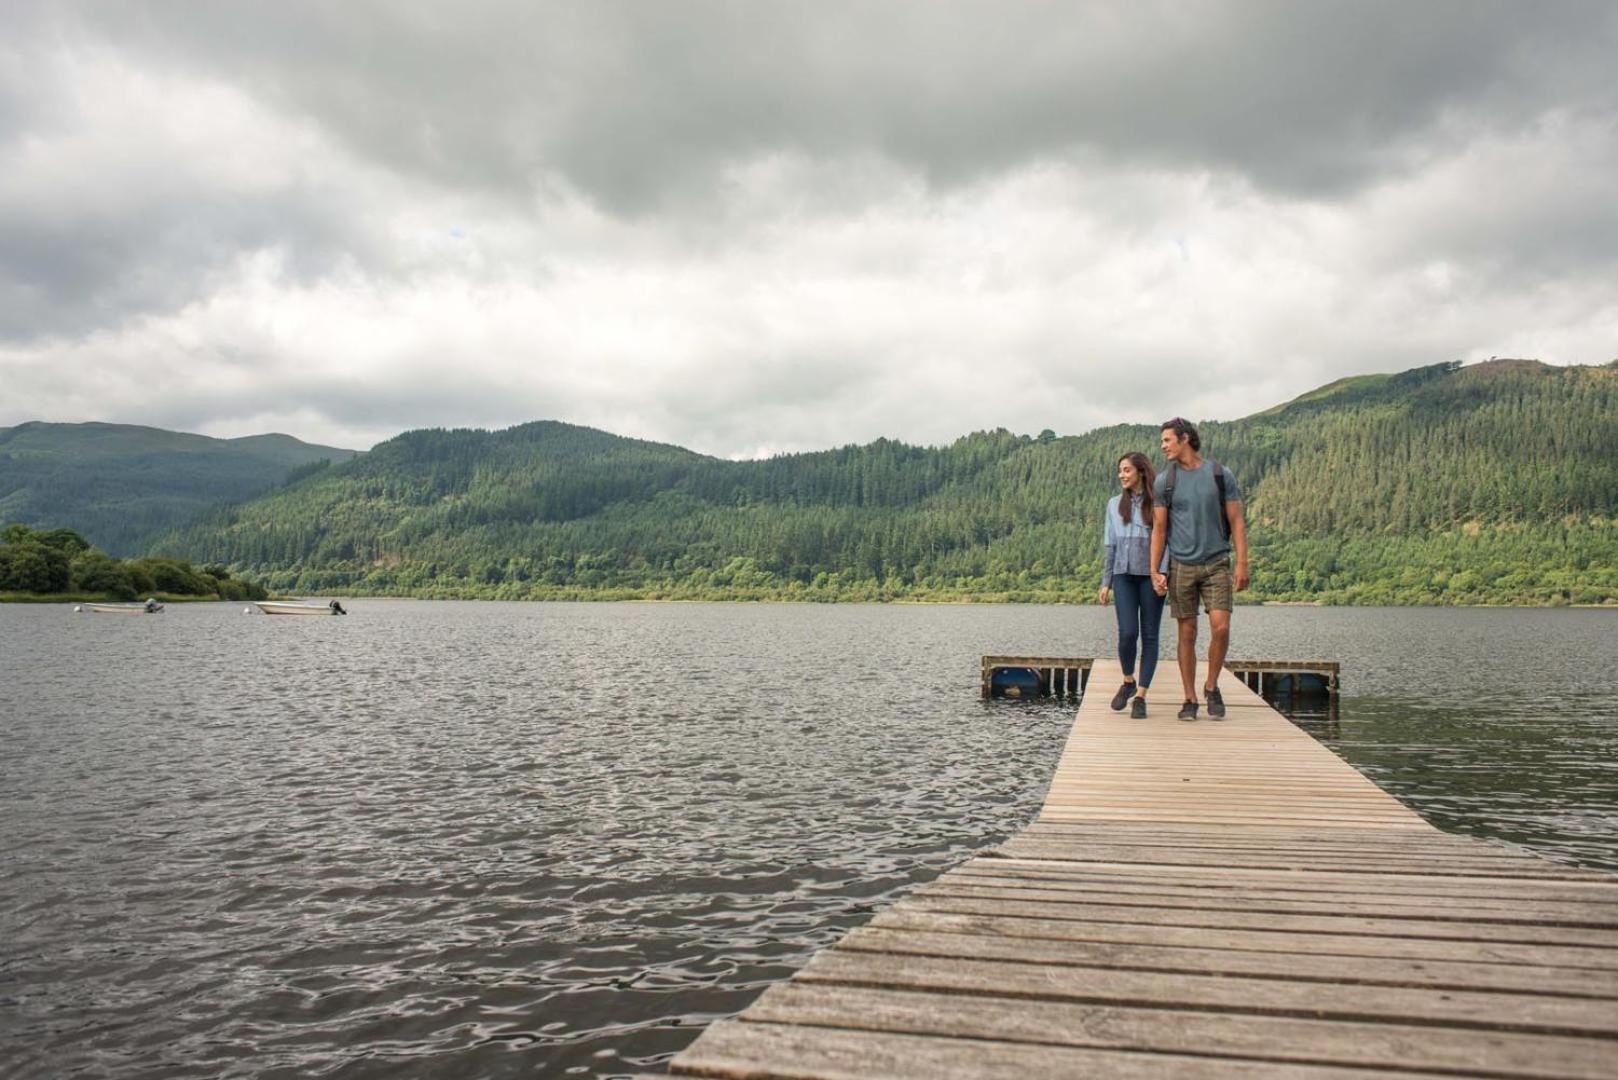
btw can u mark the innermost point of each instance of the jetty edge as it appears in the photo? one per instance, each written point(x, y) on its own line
point(1215, 899)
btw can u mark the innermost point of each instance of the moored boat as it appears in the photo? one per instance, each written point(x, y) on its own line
point(298, 607)
point(150, 607)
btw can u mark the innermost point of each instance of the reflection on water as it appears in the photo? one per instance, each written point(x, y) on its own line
point(486, 839)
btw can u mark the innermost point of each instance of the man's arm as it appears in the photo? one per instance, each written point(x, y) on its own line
point(1160, 525)
point(1238, 535)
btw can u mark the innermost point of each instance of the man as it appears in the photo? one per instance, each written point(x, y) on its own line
point(1198, 516)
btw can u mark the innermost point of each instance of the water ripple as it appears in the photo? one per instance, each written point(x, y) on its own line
point(485, 839)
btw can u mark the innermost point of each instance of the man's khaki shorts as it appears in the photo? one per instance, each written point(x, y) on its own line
point(1211, 581)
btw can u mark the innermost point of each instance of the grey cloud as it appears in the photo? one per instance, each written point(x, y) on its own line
point(1547, 222)
point(866, 157)
point(631, 102)
point(642, 108)
point(103, 217)
point(68, 276)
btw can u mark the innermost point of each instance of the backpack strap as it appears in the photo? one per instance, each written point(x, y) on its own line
point(1170, 475)
point(1219, 481)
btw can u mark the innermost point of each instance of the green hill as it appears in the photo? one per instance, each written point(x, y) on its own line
point(1491, 484)
point(120, 485)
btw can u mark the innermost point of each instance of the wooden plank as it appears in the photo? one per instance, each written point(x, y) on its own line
point(1369, 862)
point(1231, 820)
point(1453, 910)
point(1037, 661)
point(1588, 883)
point(1213, 879)
point(1296, 964)
point(1321, 844)
point(1302, 811)
point(1302, 815)
point(1265, 793)
point(1391, 861)
point(1215, 875)
point(1199, 833)
point(762, 1051)
point(1577, 958)
point(1203, 834)
point(1477, 896)
point(1304, 839)
point(1102, 787)
point(1082, 854)
point(1215, 920)
point(1095, 788)
point(1492, 1010)
point(1254, 1038)
point(1100, 783)
point(1390, 873)
point(1263, 805)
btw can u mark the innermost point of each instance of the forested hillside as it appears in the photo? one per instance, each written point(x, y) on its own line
point(1491, 484)
point(121, 485)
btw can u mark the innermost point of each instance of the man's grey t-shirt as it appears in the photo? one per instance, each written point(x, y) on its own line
point(1195, 535)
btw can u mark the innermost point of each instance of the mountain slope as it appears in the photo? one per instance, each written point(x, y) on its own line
point(120, 485)
point(1496, 483)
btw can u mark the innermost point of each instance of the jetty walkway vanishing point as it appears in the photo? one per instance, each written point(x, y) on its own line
point(1213, 899)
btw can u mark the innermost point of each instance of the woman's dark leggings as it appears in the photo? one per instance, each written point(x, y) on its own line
point(1140, 613)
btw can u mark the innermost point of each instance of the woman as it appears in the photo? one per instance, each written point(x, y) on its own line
point(1126, 573)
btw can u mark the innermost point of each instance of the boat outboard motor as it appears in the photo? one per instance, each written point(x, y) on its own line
point(336, 608)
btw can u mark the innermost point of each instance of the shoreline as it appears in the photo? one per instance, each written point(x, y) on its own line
point(602, 598)
point(107, 598)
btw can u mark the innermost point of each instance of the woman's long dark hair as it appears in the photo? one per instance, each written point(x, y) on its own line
point(1148, 479)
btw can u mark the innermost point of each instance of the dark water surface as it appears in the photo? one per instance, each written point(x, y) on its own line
point(463, 839)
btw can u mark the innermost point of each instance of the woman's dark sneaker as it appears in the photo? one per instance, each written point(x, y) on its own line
point(1188, 711)
point(1216, 703)
point(1137, 711)
point(1121, 698)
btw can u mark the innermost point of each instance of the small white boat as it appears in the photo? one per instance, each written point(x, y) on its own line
point(150, 607)
point(298, 607)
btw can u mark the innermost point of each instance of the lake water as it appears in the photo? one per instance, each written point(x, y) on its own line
point(475, 839)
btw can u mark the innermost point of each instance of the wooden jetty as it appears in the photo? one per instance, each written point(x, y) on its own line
point(1219, 899)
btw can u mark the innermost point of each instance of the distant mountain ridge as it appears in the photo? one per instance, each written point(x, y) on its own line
point(121, 485)
point(1496, 483)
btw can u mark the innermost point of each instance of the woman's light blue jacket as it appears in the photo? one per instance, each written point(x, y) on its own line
point(1127, 549)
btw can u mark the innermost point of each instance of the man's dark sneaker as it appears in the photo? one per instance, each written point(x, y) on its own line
point(1137, 711)
point(1188, 711)
point(1216, 703)
point(1121, 698)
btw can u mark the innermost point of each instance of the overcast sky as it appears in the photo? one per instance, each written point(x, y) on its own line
point(755, 227)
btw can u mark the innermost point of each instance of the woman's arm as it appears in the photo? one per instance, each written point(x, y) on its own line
point(1160, 524)
point(1109, 548)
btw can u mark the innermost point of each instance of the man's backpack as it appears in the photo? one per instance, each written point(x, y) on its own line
point(1173, 474)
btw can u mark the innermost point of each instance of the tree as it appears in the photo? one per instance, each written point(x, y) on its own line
point(33, 567)
point(97, 573)
point(64, 540)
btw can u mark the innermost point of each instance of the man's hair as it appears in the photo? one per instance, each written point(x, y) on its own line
point(1183, 429)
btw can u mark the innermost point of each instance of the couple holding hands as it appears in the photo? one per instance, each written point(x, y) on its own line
point(1169, 536)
